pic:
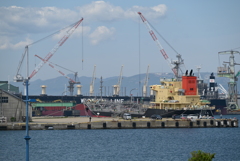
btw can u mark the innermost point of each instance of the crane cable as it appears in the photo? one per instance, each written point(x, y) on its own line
point(163, 38)
point(82, 47)
point(52, 34)
point(166, 42)
point(139, 55)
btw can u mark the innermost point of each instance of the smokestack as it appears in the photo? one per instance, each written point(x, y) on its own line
point(79, 89)
point(43, 90)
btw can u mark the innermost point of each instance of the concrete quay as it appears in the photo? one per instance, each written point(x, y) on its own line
point(117, 123)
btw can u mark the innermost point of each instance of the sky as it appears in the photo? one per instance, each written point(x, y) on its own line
point(112, 35)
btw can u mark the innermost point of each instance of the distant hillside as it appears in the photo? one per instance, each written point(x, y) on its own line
point(58, 86)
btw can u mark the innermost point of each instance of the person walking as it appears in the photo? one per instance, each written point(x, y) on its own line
point(90, 118)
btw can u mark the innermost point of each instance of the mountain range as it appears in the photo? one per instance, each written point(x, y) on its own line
point(129, 85)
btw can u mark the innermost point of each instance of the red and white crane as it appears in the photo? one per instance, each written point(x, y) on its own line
point(56, 47)
point(174, 65)
point(71, 81)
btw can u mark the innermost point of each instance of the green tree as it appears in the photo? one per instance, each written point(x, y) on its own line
point(201, 156)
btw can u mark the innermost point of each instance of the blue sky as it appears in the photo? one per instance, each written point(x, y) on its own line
point(113, 35)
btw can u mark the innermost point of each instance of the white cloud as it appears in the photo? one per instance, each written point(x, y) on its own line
point(78, 32)
point(18, 21)
point(101, 11)
point(100, 34)
point(150, 13)
point(31, 20)
point(104, 11)
point(7, 45)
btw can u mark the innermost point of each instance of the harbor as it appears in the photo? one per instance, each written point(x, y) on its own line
point(78, 123)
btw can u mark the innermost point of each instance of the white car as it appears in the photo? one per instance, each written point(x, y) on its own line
point(192, 116)
point(127, 116)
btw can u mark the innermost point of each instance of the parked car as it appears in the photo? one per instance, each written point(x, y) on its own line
point(156, 117)
point(184, 116)
point(127, 116)
point(175, 116)
point(192, 116)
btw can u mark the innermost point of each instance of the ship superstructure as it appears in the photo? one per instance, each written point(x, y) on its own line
point(173, 95)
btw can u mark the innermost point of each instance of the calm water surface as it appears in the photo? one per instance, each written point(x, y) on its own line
point(125, 144)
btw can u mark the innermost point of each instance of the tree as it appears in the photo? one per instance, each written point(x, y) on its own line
point(201, 156)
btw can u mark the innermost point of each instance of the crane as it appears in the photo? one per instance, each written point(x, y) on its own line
point(71, 81)
point(145, 83)
point(116, 88)
point(174, 65)
point(91, 91)
point(223, 90)
point(230, 73)
point(56, 47)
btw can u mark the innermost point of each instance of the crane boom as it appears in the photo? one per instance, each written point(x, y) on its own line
point(91, 91)
point(145, 84)
point(56, 47)
point(116, 88)
point(154, 37)
point(56, 69)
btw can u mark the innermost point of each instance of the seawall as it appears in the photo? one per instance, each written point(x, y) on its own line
point(125, 124)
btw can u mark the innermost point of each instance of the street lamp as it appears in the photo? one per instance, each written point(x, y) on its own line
point(131, 91)
point(19, 78)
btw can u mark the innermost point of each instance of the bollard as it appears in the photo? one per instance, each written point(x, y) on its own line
point(104, 125)
point(148, 124)
point(163, 124)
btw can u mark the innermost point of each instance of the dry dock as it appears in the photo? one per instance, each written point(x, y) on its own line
point(117, 123)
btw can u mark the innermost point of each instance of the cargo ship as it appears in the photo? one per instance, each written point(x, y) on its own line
point(171, 97)
point(211, 93)
point(178, 97)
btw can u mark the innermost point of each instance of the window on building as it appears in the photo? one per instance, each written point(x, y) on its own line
point(3, 99)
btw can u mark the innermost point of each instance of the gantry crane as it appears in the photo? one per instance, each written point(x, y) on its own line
point(229, 72)
point(71, 81)
point(91, 91)
point(174, 65)
point(116, 88)
point(145, 84)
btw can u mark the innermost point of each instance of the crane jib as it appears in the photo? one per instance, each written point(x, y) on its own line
point(153, 35)
point(164, 54)
point(60, 43)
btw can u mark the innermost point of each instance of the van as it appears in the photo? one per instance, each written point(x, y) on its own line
point(127, 116)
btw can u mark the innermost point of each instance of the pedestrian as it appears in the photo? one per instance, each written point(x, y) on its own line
point(221, 116)
point(90, 118)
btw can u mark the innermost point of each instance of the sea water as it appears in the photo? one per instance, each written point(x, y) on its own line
point(163, 144)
